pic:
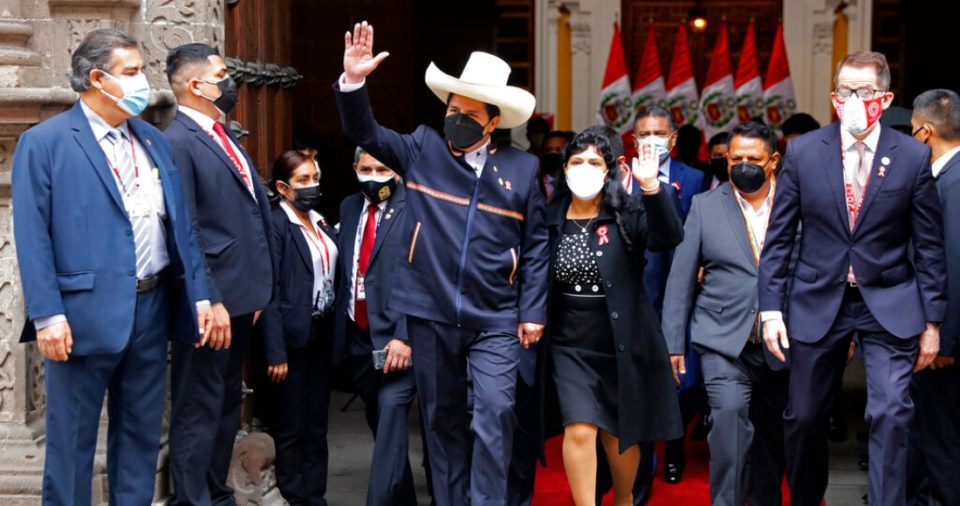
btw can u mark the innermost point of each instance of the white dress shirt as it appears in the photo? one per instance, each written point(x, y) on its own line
point(149, 193)
point(664, 175)
point(356, 250)
point(938, 164)
point(206, 123)
point(323, 256)
point(757, 219)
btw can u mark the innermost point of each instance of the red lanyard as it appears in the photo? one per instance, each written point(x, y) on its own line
point(136, 168)
point(320, 244)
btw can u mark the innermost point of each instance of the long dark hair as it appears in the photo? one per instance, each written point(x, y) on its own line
point(613, 198)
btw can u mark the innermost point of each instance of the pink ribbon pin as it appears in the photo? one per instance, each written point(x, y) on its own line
point(602, 237)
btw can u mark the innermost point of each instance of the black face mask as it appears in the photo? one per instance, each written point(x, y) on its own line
point(228, 95)
point(307, 198)
point(462, 131)
point(552, 163)
point(748, 177)
point(719, 168)
point(376, 192)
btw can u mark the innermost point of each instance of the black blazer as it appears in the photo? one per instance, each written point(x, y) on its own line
point(649, 410)
point(287, 320)
point(389, 247)
point(948, 186)
point(232, 228)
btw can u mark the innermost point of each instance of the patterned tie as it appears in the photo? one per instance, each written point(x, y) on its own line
point(366, 249)
point(859, 179)
point(222, 133)
point(127, 174)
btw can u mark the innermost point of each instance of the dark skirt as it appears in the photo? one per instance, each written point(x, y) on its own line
point(585, 362)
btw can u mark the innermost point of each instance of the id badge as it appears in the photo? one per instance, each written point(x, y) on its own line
point(139, 208)
point(361, 289)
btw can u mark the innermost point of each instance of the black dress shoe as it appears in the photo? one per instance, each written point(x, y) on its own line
point(836, 429)
point(673, 470)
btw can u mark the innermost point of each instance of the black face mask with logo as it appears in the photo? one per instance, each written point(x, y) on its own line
point(748, 177)
point(462, 131)
point(377, 191)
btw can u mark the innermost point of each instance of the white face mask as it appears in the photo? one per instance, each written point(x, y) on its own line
point(585, 181)
point(363, 178)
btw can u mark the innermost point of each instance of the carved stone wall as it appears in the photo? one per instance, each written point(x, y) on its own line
point(37, 38)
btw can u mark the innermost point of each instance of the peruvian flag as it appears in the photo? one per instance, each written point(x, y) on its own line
point(717, 112)
point(616, 107)
point(749, 95)
point(682, 99)
point(778, 99)
point(648, 87)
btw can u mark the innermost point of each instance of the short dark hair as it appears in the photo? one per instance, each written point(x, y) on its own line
point(566, 135)
point(756, 130)
point(616, 142)
point(940, 108)
point(799, 123)
point(285, 164)
point(96, 52)
point(863, 59)
point(718, 139)
point(186, 54)
point(492, 110)
point(655, 111)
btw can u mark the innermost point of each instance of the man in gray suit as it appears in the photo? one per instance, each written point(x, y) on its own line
point(746, 387)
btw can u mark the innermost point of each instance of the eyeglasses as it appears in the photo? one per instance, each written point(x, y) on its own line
point(844, 93)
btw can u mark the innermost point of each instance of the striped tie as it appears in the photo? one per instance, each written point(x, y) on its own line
point(126, 172)
point(859, 179)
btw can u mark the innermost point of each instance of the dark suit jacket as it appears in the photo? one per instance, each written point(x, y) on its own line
point(721, 312)
point(948, 186)
point(233, 229)
point(899, 209)
point(75, 246)
point(287, 321)
point(388, 249)
point(476, 254)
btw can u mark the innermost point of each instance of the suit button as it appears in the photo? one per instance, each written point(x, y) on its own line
point(609, 284)
point(130, 272)
point(841, 278)
point(614, 315)
point(620, 347)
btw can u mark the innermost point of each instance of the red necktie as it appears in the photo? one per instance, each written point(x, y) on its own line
point(366, 248)
point(218, 127)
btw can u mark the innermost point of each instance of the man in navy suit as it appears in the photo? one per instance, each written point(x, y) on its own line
point(230, 206)
point(473, 281)
point(935, 435)
point(110, 269)
point(371, 245)
point(865, 194)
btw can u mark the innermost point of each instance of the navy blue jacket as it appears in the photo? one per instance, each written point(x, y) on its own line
point(388, 249)
point(476, 247)
point(75, 244)
point(900, 209)
point(948, 186)
point(287, 320)
point(232, 227)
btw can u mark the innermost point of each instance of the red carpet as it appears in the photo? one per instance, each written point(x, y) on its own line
point(551, 487)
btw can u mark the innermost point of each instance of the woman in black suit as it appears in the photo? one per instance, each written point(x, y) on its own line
point(297, 328)
point(604, 349)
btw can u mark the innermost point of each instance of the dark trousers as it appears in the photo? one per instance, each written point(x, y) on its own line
point(299, 429)
point(934, 478)
point(747, 400)
point(206, 397)
point(814, 381)
point(526, 446)
point(135, 379)
point(469, 456)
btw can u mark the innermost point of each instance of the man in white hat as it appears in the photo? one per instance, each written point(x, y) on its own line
point(474, 279)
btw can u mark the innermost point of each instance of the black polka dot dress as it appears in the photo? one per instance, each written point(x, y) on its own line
point(582, 349)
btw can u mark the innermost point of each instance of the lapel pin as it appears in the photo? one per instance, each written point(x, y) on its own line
point(885, 161)
point(495, 169)
point(389, 213)
point(507, 185)
point(500, 180)
point(149, 142)
point(882, 172)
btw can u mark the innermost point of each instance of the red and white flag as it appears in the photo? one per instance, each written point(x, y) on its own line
point(682, 99)
point(648, 87)
point(616, 106)
point(778, 99)
point(717, 112)
point(748, 97)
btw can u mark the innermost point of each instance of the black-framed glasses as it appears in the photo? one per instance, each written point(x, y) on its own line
point(844, 93)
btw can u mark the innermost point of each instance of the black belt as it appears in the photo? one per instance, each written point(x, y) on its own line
point(147, 284)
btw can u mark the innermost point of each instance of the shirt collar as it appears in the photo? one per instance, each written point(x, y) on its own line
point(477, 155)
point(99, 125)
point(292, 215)
point(847, 140)
point(205, 122)
point(366, 203)
point(941, 162)
point(767, 202)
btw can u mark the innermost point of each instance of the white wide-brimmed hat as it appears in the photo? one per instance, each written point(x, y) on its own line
point(484, 78)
